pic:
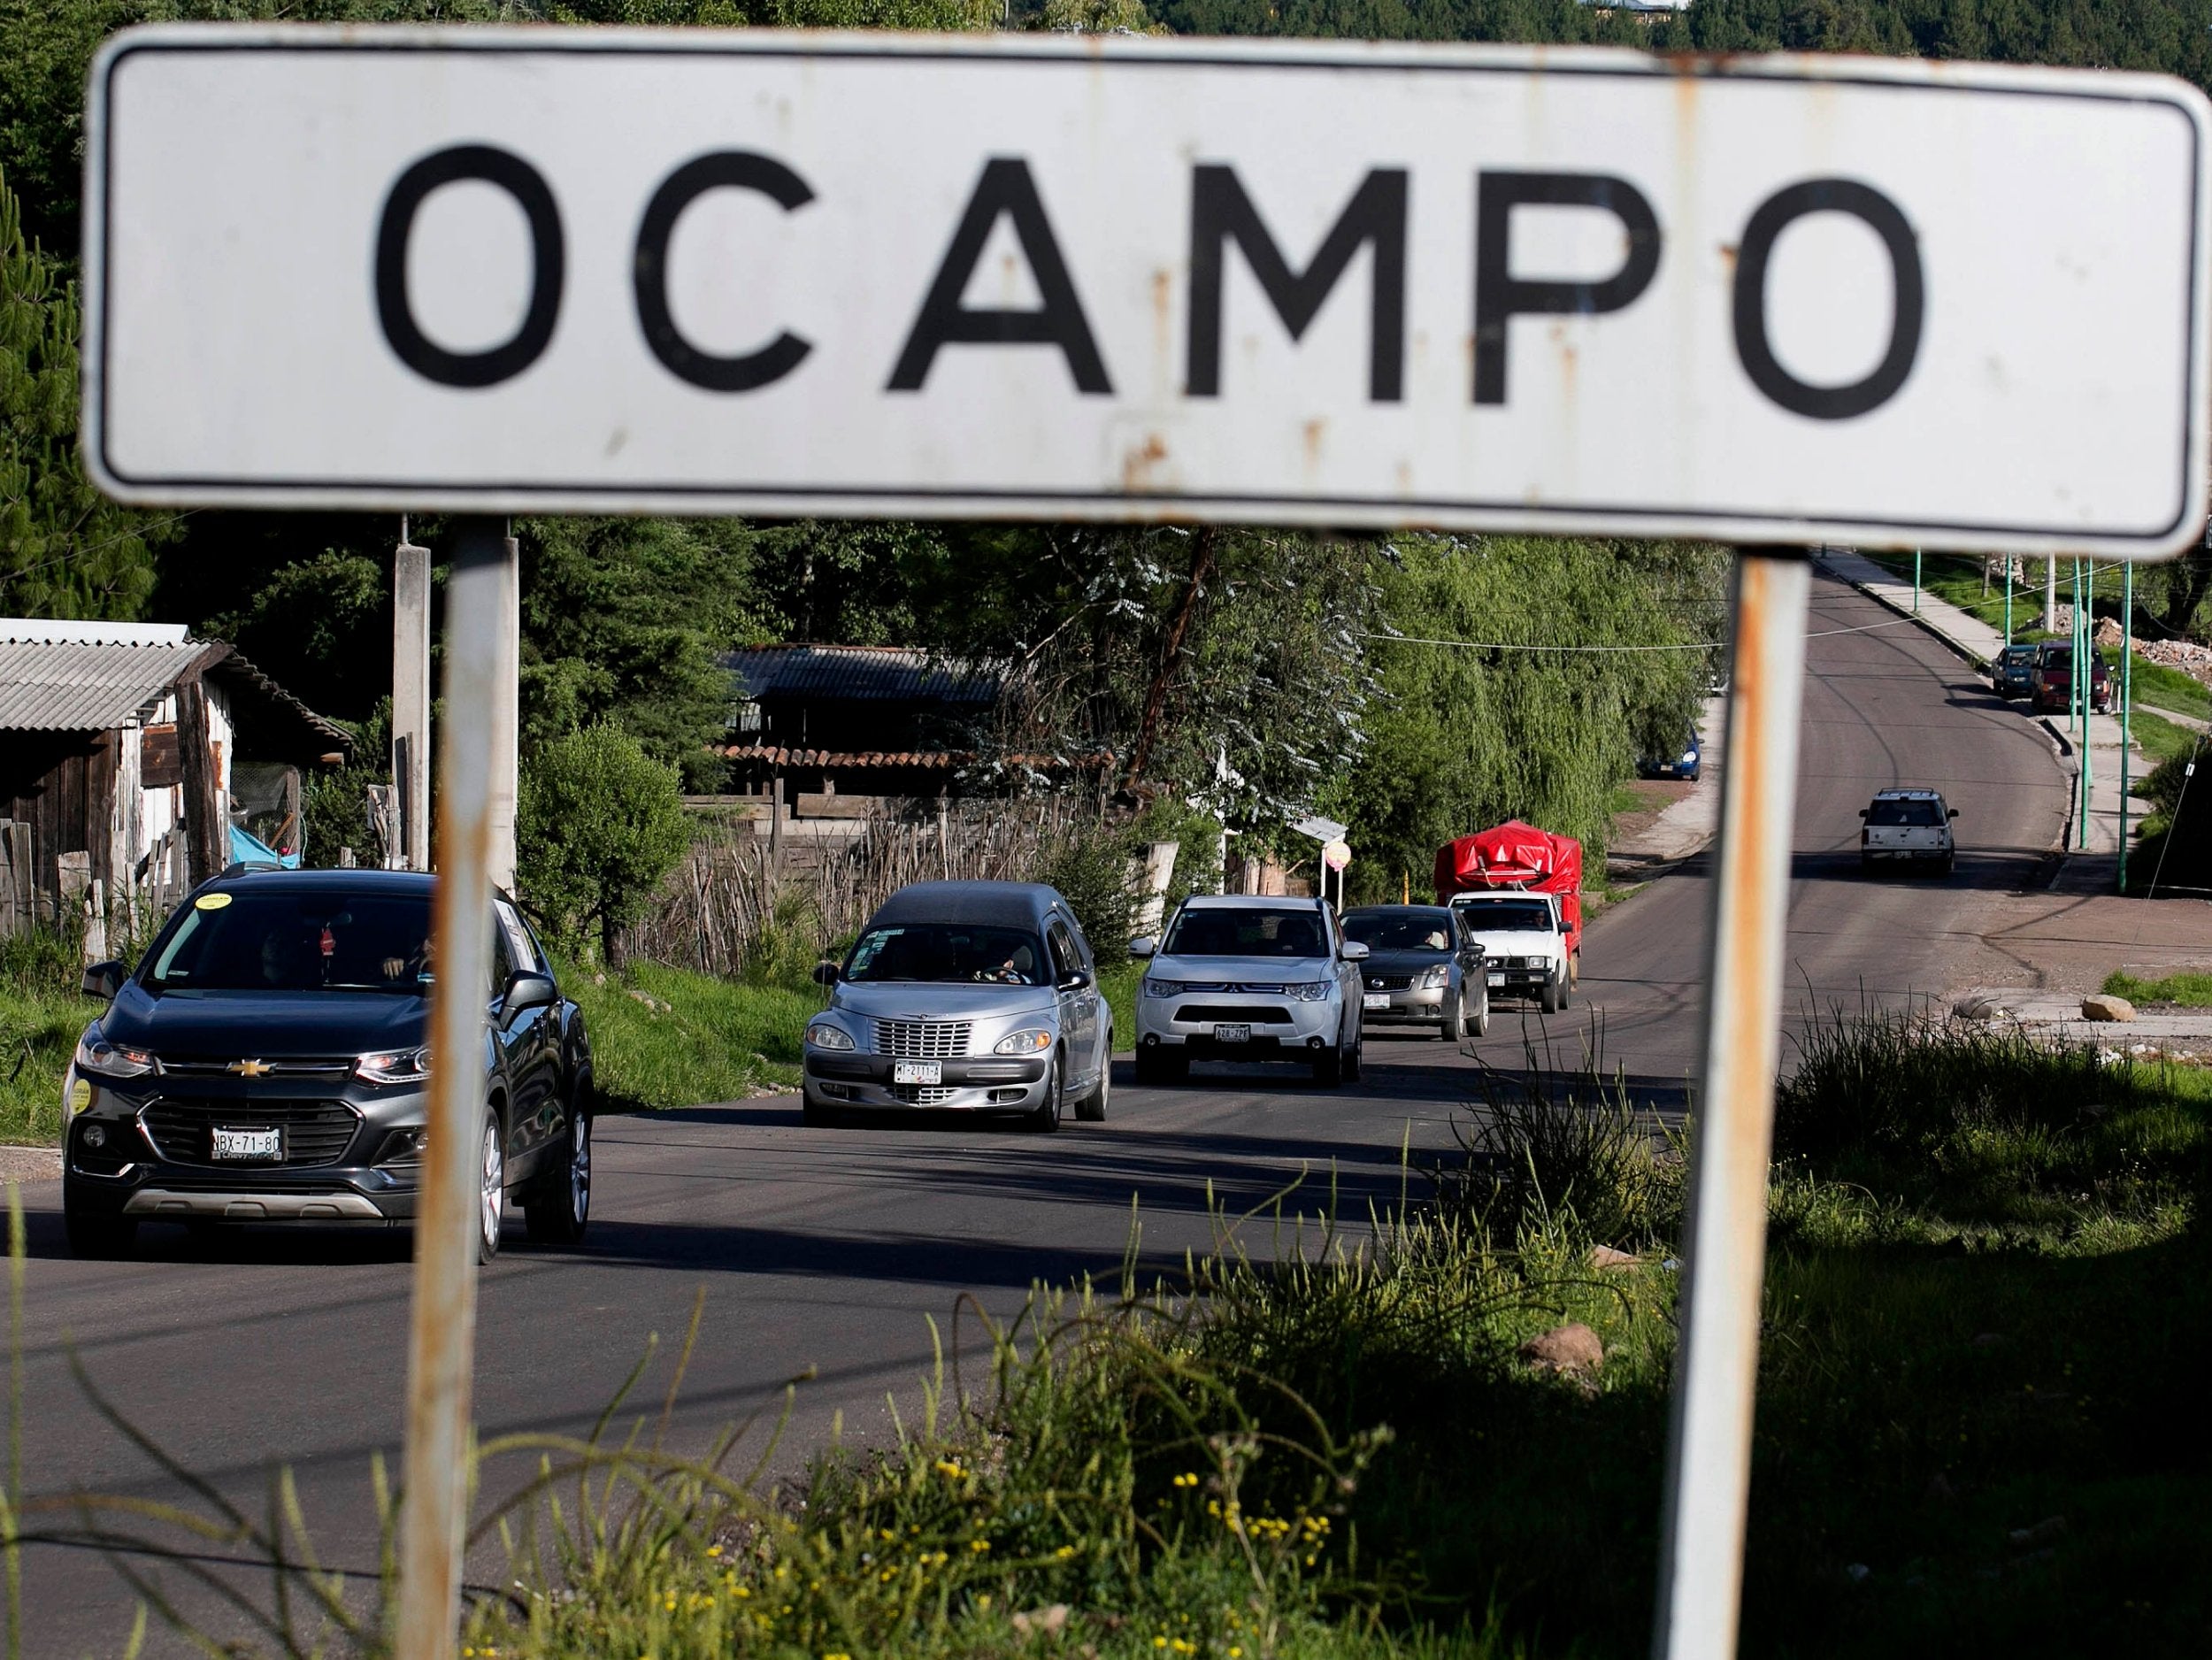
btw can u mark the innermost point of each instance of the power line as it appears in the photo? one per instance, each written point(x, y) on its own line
point(1692, 645)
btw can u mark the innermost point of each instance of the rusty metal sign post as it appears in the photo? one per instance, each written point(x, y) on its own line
point(1559, 291)
point(458, 1201)
point(1723, 1248)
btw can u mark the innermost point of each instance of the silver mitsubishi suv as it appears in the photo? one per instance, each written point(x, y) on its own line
point(1238, 978)
point(967, 996)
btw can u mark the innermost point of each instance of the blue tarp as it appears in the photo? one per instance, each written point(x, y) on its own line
point(246, 848)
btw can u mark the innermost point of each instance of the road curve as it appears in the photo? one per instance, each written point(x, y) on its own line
point(823, 1250)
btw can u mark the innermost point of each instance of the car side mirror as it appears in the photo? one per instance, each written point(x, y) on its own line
point(826, 973)
point(529, 989)
point(104, 979)
point(1144, 945)
point(1954, 812)
point(1354, 952)
point(1861, 813)
point(1074, 980)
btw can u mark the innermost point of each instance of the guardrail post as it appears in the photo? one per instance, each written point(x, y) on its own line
point(433, 1505)
point(1708, 1444)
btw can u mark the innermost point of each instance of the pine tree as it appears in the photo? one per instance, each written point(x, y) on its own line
point(65, 551)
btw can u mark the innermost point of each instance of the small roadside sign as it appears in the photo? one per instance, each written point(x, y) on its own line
point(1764, 300)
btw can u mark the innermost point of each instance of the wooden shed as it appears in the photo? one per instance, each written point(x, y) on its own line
point(128, 751)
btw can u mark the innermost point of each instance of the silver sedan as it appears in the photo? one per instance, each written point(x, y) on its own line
point(1422, 970)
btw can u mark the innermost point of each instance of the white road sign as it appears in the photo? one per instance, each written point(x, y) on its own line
point(1762, 300)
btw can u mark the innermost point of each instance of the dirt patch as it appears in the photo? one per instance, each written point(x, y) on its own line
point(30, 1163)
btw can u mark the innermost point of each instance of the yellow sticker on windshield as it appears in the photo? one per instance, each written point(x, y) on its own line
point(212, 901)
point(80, 1095)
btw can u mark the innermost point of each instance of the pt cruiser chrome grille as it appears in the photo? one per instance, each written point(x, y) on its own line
point(922, 1040)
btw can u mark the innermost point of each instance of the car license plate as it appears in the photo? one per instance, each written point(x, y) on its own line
point(1233, 1035)
point(1496, 980)
point(918, 1071)
point(249, 1143)
point(1377, 1000)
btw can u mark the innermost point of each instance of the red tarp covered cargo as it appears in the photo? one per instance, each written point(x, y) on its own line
point(1516, 855)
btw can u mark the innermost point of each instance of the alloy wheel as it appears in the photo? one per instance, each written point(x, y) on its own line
point(579, 1172)
point(492, 1191)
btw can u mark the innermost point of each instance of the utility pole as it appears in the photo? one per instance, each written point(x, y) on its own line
point(2050, 592)
point(410, 847)
point(506, 717)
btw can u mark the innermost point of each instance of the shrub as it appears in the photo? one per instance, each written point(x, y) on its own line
point(598, 827)
point(1092, 871)
point(1563, 1150)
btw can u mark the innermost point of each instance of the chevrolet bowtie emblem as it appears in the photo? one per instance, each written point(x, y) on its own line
point(251, 1069)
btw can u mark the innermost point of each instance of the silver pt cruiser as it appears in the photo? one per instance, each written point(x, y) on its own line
point(963, 997)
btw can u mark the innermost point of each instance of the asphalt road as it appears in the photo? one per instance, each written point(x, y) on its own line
point(823, 1250)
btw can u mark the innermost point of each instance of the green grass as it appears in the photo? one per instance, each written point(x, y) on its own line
point(2169, 688)
point(41, 1015)
point(669, 1037)
point(2186, 991)
point(1118, 984)
point(2160, 740)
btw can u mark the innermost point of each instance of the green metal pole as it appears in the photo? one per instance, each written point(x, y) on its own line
point(1915, 581)
point(2127, 704)
point(2008, 599)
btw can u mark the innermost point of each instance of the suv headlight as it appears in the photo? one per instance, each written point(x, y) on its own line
point(97, 1056)
point(1162, 987)
point(1436, 979)
point(823, 1035)
point(393, 1066)
point(1307, 990)
point(1031, 1040)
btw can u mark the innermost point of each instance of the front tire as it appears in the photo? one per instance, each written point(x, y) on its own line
point(560, 1211)
point(1046, 1120)
point(98, 1238)
point(1091, 1108)
point(1328, 1068)
point(1161, 1066)
point(491, 1189)
point(1479, 1025)
point(1554, 995)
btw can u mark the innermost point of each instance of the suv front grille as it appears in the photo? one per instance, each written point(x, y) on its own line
point(296, 1067)
point(1234, 1013)
point(315, 1132)
point(922, 1040)
point(1390, 982)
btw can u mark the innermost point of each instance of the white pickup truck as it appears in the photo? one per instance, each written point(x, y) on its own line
point(1908, 827)
point(1523, 944)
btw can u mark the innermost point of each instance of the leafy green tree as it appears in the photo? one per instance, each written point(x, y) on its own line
point(1463, 735)
point(623, 620)
point(65, 551)
point(599, 825)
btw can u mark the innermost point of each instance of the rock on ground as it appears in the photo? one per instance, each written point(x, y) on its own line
point(2102, 1006)
point(1572, 1350)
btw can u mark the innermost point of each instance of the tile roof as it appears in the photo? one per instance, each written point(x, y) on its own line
point(861, 673)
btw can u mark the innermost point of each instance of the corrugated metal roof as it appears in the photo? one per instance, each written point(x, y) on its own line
point(54, 632)
point(860, 674)
point(58, 685)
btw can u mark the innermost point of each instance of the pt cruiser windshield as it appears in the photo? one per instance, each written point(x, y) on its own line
point(937, 953)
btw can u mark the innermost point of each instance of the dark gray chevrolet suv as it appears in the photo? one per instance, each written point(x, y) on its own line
point(266, 1062)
